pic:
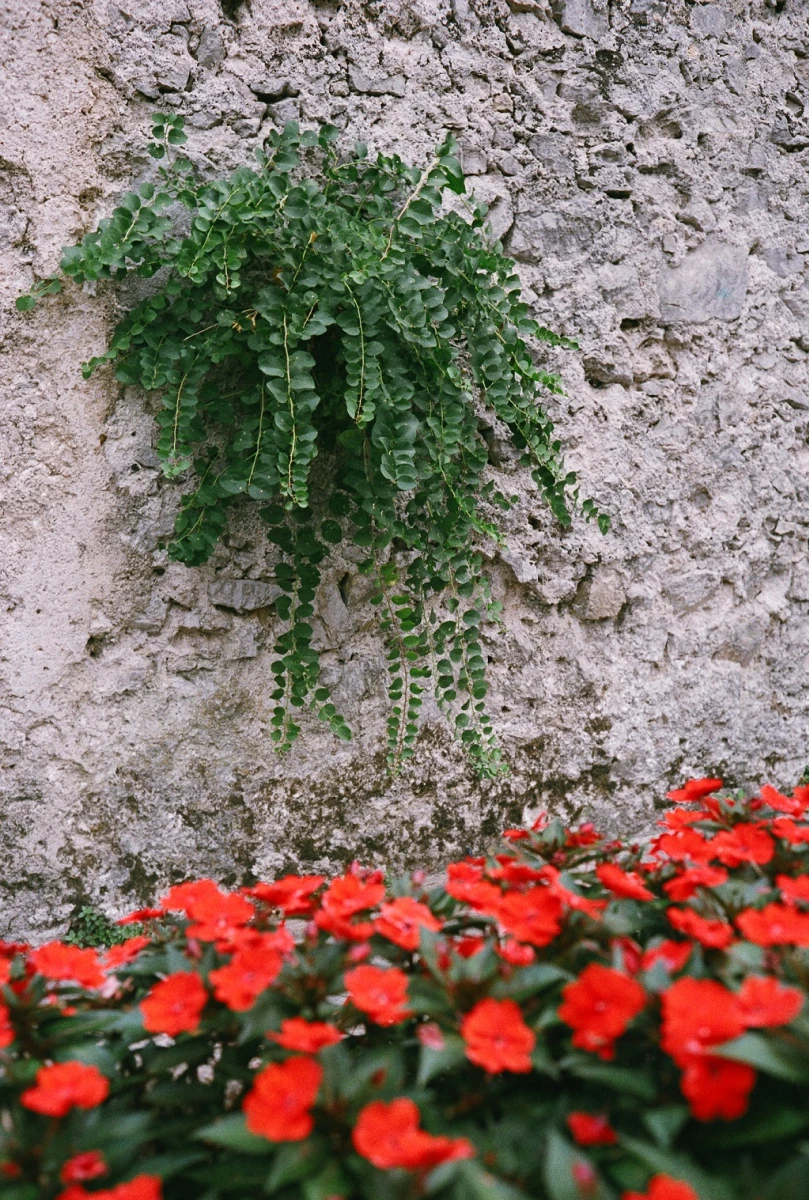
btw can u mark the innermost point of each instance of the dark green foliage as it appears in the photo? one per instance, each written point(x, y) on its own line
point(90, 928)
point(351, 316)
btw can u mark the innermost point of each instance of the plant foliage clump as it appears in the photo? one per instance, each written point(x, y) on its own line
point(90, 928)
point(568, 1019)
point(351, 315)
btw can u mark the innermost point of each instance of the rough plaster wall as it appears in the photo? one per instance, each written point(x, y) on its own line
point(647, 165)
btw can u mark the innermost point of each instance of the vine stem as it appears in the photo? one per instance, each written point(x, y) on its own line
point(293, 442)
point(259, 436)
point(361, 396)
point(184, 536)
point(414, 195)
point(176, 425)
point(204, 245)
point(475, 719)
point(312, 237)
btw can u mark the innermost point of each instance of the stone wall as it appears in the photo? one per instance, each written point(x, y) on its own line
point(646, 162)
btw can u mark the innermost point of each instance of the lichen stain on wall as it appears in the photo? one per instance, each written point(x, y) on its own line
point(646, 165)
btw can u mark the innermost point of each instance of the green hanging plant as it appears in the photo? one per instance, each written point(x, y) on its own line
point(349, 315)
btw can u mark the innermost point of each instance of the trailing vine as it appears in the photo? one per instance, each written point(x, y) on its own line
point(328, 303)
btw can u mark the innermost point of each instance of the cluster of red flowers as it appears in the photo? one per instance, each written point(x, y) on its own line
point(142, 1187)
point(599, 1007)
point(64, 1086)
point(663, 1187)
point(699, 1014)
point(388, 1135)
point(380, 992)
point(561, 954)
point(280, 1103)
point(497, 1038)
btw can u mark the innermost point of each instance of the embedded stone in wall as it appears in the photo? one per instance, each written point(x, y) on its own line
point(582, 18)
point(243, 595)
point(710, 282)
point(386, 85)
point(602, 597)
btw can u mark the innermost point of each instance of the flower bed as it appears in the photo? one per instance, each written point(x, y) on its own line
point(570, 1019)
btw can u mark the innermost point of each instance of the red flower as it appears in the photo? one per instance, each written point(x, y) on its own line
point(344, 898)
point(7, 1033)
point(673, 955)
point(687, 843)
point(140, 914)
point(306, 1036)
point(388, 1135)
point(497, 1037)
point(278, 1107)
point(142, 1187)
point(775, 925)
point(697, 1014)
point(743, 843)
point(379, 992)
point(57, 961)
point(598, 1006)
point(279, 940)
point(717, 1087)
point(585, 1177)
point(89, 1165)
point(469, 946)
point(182, 896)
point(533, 916)
point(694, 789)
point(64, 1086)
point(430, 1035)
point(630, 954)
point(677, 818)
point(714, 935)
point(9, 949)
point(515, 953)
point(465, 882)
point(175, 1004)
point(793, 806)
point(511, 870)
point(402, 919)
point(663, 1187)
point(589, 1130)
point(585, 835)
point(358, 952)
point(217, 915)
point(686, 884)
point(348, 894)
point(239, 984)
point(625, 884)
point(460, 874)
point(343, 928)
point(796, 835)
point(125, 952)
point(794, 890)
point(764, 1001)
point(292, 894)
point(593, 908)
